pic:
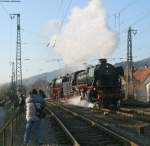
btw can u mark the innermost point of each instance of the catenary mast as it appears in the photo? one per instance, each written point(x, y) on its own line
point(129, 79)
point(18, 53)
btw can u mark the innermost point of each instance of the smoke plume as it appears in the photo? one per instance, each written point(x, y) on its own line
point(78, 102)
point(85, 34)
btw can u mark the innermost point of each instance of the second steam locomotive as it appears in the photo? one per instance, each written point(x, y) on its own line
point(98, 84)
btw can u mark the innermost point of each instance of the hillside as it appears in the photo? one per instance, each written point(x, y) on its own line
point(45, 76)
point(50, 75)
point(138, 64)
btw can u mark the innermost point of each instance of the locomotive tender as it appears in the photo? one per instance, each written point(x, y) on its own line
point(100, 83)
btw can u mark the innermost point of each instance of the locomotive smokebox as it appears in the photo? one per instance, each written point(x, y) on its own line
point(103, 61)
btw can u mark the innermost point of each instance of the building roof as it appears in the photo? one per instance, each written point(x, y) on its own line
point(141, 74)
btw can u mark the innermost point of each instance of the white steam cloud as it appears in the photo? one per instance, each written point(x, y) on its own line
point(78, 102)
point(85, 35)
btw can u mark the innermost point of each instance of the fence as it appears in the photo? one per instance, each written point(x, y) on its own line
point(8, 130)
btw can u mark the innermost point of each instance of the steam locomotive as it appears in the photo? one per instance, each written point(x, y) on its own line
point(100, 83)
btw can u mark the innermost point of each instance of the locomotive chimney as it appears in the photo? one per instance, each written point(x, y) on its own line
point(103, 61)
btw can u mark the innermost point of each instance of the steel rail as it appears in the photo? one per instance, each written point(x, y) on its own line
point(93, 123)
point(74, 141)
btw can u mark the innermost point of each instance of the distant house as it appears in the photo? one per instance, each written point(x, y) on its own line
point(142, 84)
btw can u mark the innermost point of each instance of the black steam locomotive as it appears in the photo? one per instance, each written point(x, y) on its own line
point(107, 79)
point(100, 83)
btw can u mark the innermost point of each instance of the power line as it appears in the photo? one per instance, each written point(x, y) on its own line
point(10, 39)
point(137, 21)
point(7, 1)
point(5, 10)
point(65, 14)
point(58, 14)
point(127, 6)
point(141, 18)
point(59, 8)
point(61, 23)
point(11, 1)
point(118, 14)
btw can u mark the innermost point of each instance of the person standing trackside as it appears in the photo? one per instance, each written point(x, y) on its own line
point(21, 100)
point(42, 94)
point(33, 102)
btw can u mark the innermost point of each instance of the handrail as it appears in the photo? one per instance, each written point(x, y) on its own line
point(7, 125)
point(9, 121)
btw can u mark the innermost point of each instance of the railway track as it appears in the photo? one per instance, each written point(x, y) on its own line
point(125, 125)
point(135, 104)
point(135, 114)
point(82, 131)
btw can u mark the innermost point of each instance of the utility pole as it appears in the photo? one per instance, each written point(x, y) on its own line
point(18, 53)
point(13, 82)
point(13, 76)
point(129, 79)
point(13, 86)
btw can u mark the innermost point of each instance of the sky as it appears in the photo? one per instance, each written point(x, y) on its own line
point(49, 28)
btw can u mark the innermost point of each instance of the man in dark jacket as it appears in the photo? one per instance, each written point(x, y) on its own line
point(21, 100)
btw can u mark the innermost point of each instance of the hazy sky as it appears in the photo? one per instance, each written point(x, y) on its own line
point(39, 22)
